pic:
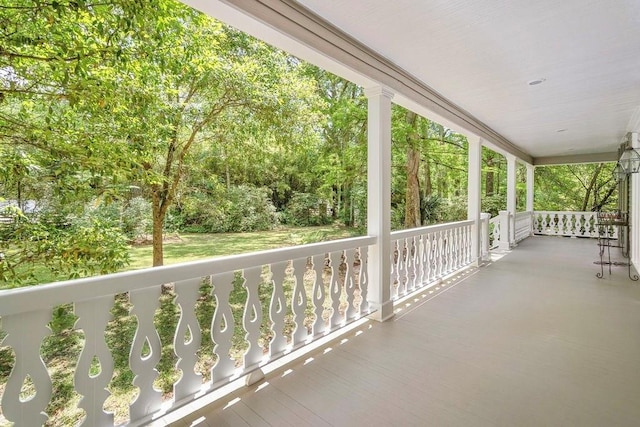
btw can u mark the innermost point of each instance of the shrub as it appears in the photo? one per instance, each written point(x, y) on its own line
point(240, 208)
point(306, 209)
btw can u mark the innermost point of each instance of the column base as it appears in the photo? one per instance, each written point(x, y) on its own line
point(383, 312)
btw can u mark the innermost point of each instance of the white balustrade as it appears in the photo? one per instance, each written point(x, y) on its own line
point(423, 255)
point(325, 281)
point(494, 229)
point(572, 224)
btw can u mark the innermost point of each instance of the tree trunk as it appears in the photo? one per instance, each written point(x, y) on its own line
point(489, 188)
point(427, 188)
point(412, 195)
point(590, 188)
point(158, 222)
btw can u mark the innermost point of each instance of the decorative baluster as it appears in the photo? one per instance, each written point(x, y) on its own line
point(363, 283)
point(402, 269)
point(222, 327)
point(545, 223)
point(420, 261)
point(573, 224)
point(278, 309)
point(428, 258)
point(412, 264)
point(186, 341)
point(460, 247)
point(560, 224)
point(335, 289)
point(446, 246)
point(25, 332)
point(319, 295)
point(252, 317)
point(93, 316)
point(451, 243)
point(593, 230)
point(299, 302)
point(444, 249)
point(145, 352)
point(468, 245)
point(350, 284)
point(433, 255)
point(582, 228)
point(446, 252)
point(464, 245)
point(437, 254)
point(455, 254)
point(395, 263)
point(454, 249)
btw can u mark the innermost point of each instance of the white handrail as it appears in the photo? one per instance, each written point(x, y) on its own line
point(40, 297)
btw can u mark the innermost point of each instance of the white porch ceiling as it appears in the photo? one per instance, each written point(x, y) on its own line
point(481, 54)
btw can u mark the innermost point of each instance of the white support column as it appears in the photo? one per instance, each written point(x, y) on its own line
point(511, 197)
point(379, 201)
point(474, 190)
point(531, 170)
point(634, 211)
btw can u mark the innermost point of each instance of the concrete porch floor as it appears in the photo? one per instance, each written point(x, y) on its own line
point(532, 339)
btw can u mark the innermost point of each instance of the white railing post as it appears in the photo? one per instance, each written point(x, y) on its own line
point(379, 201)
point(484, 225)
point(504, 230)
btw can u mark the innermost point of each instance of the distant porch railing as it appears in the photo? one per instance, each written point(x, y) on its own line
point(546, 223)
point(572, 224)
point(263, 306)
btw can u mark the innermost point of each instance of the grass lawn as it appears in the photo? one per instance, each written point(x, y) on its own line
point(190, 247)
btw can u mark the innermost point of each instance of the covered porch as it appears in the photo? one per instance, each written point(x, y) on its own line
point(532, 338)
point(441, 333)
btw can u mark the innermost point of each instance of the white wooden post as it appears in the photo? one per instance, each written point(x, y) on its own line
point(530, 187)
point(484, 226)
point(511, 197)
point(474, 189)
point(379, 201)
point(505, 222)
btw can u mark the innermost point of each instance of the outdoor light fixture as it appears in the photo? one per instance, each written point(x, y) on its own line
point(618, 172)
point(630, 161)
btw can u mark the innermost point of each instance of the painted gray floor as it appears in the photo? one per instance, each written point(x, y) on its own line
point(533, 339)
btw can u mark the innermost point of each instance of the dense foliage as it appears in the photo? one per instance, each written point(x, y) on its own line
point(123, 120)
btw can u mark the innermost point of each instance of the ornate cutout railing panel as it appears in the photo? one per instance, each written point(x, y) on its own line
point(572, 224)
point(281, 298)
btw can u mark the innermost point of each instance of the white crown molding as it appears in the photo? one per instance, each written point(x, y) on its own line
point(576, 158)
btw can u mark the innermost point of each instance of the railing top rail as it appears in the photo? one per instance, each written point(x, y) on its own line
point(42, 297)
point(523, 213)
point(403, 234)
point(565, 212)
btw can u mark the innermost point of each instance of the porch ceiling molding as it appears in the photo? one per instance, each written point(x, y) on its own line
point(313, 39)
point(576, 158)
